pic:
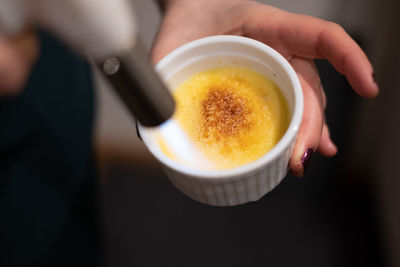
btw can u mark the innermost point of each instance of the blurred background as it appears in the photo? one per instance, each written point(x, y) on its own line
point(344, 212)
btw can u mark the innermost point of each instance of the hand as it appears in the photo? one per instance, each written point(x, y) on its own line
point(299, 38)
point(17, 55)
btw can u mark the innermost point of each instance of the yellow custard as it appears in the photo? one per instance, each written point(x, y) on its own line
point(233, 114)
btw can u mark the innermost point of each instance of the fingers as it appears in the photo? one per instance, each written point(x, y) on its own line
point(309, 37)
point(311, 128)
point(16, 58)
point(347, 57)
point(314, 38)
point(326, 146)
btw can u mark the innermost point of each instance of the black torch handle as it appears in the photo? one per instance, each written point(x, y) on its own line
point(139, 87)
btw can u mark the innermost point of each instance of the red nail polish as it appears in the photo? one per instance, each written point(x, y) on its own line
point(305, 159)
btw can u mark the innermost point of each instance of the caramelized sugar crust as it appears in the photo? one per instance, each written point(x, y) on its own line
point(233, 114)
point(225, 114)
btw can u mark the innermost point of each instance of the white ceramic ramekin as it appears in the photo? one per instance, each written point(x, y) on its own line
point(253, 180)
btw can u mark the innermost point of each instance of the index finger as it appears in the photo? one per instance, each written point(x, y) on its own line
point(315, 38)
point(310, 37)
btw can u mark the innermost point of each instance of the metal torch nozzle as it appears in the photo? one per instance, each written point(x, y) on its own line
point(140, 88)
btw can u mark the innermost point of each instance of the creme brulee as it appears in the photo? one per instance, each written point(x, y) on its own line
point(233, 114)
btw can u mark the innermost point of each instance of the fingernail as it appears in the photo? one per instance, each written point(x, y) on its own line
point(305, 159)
point(374, 78)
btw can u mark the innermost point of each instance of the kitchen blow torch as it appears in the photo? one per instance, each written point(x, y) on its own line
point(105, 31)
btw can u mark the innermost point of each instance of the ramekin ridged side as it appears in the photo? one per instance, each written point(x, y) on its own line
point(236, 190)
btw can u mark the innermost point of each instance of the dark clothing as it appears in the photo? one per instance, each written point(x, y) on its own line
point(46, 164)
